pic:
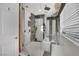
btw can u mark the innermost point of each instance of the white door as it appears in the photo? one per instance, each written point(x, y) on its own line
point(10, 21)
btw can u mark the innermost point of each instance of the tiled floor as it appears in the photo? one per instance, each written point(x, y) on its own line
point(34, 49)
point(66, 48)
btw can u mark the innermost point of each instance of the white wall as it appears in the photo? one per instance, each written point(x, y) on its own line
point(47, 28)
point(53, 26)
point(27, 33)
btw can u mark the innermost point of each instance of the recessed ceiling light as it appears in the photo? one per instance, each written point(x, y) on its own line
point(39, 10)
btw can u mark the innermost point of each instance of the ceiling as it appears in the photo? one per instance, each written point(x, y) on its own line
point(38, 8)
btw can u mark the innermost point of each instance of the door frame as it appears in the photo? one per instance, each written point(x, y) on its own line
point(21, 25)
